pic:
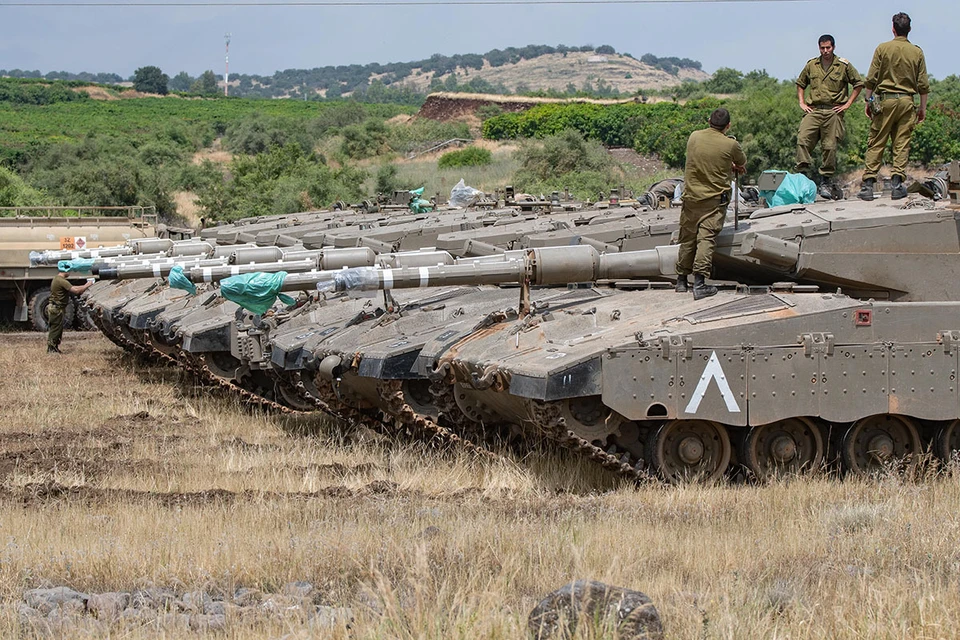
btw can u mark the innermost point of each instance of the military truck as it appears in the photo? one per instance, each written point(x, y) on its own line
point(25, 289)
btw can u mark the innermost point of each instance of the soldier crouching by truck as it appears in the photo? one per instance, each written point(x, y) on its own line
point(60, 291)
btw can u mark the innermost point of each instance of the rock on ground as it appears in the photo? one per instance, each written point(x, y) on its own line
point(630, 613)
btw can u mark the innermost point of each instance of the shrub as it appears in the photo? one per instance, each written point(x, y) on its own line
point(14, 192)
point(469, 157)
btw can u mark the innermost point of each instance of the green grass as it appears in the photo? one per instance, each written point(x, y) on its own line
point(147, 118)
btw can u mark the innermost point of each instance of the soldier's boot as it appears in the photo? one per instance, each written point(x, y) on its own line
point(826, 189)
point(682, 285)
point(53, 349)
point(898, 191)
point(866, 189)
point(701, 289)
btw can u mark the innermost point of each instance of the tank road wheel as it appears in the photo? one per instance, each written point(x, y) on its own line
point(590, 419)
point(870, 443)
point(690, 450)
point(786, 447)
point(947, 443)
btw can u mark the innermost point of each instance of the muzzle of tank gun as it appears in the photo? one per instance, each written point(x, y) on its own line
point(107, 272)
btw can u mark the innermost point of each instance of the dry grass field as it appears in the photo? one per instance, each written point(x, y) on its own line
point(117, 476)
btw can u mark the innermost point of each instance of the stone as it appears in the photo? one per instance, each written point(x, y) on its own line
point(46, 600)
point(245, 597)
point(195, 601)
point(217, 608)
point(154, 598)
point(630, 613)
point(174, 621)
point(107, 606)
point(282, 605)
point(430, 532)
point(327, 618)
point(208, 622)
point(298, 589)
point(133, 615)
point(27, 613)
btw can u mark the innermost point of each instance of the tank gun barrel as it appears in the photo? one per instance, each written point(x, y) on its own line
point(47, 258)
point(154, 270)
point(543, 266)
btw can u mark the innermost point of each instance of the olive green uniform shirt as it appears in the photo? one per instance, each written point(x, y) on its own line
point(60, 291)
point(710, 156)
point(898, 66)
point(830, 86)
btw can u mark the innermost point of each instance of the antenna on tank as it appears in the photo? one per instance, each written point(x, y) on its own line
point(226, 70)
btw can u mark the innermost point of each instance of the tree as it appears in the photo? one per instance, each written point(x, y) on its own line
point(725, 80)
point(150, 80)
point(206, 84)
point(181, 82)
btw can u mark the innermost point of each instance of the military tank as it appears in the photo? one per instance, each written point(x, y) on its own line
point(832, 336)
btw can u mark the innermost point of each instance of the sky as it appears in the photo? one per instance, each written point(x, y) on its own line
point(776, 35)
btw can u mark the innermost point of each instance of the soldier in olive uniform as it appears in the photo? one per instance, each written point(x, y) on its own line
point(60, 290)
point(828, 77)
point(711, 156)
point(898, 72)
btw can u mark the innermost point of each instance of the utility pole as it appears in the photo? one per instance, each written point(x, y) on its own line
point(226, 72)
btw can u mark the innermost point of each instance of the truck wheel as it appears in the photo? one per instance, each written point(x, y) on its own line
point(37, 310)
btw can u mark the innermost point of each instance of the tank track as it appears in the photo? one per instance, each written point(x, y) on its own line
point(418, 424)
point(552, 425)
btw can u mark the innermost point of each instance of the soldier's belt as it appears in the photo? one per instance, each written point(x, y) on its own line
point(825, 106)
point(886, 96)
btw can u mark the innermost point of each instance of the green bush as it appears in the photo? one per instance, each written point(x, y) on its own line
point(283, 180)
point(469, 157)
point(363, 141)
point(387, 181)
point(565, 160)
point(14, 192)
point(256, 133)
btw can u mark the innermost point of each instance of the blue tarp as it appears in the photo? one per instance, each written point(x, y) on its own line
point(796, 188)
point(255, 292)
point(179, 280)
point(418, 204)
point(80, 265)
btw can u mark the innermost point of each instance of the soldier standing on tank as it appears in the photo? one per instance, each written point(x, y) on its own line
point(711, 156)
point(898, 72)
point(60, 290)
point(828, 78)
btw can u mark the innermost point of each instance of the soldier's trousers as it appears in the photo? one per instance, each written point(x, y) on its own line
point(896, 121)
point(54, 325)
point(827, 128)
point(700, 222)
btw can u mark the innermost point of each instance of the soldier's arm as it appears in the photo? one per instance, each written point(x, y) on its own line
point(803, 105)
point(739, 159)
point(871, 81)
point(923, 88)
point(802, 81)
point(77, 289)
point(853, 77)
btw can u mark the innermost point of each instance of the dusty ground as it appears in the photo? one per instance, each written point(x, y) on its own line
point(119, 476)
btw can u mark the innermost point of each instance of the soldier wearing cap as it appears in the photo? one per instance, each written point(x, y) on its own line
point(711, 156)
point(897, 73)
point(60, 290)
point(828, 78)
